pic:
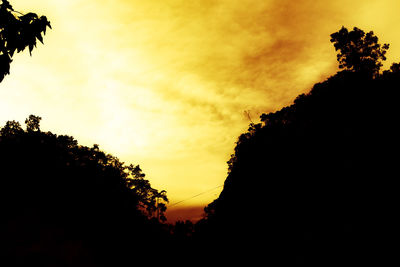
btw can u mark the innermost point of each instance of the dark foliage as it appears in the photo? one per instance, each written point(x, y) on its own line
point(312, 184)
point(63, 204)
point(359, 51)
point(17, 32)
point(182, 230)
point(315, 182)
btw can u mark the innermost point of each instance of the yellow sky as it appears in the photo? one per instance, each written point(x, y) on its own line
point(165, 83)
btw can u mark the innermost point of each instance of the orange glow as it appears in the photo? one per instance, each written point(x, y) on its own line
point(165, 83)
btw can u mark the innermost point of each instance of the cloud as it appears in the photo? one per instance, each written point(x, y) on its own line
point(251, 49)
point(165, 83)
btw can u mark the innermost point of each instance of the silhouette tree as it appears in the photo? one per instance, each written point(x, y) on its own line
point(64, 204)
point(395, 68)
point(33, 123)
point(313, 183)
point(10, 129)
point(17, 32)
point(359, 51)
point(151, 202)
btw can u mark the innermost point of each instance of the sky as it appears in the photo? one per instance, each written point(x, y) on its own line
point(171, 84)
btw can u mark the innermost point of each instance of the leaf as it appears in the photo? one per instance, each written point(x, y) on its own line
point(30, 49)
point(18, 32)
point(39, 37)
point(28, 17)
point(12, 51)
point(4, 66)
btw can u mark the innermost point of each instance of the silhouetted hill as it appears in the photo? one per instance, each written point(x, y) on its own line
point(315, 182)
point(63, 204)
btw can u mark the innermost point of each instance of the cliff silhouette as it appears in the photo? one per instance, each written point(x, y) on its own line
point(315, 182)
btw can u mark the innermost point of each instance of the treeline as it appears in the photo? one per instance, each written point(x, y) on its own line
point(66, 204)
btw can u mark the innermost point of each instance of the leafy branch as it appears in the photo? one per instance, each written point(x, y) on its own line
point(17, 32)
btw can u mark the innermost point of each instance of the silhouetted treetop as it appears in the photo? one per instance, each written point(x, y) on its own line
point(395, 68)
point(152, 202)
point(33, 123)
point(17, 32)
point(359, 51)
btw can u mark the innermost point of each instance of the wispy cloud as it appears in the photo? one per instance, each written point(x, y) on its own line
point(165, 83)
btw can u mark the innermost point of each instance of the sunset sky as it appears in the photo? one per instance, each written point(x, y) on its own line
point(166, 83)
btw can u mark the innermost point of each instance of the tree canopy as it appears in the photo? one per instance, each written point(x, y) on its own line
point(17, 32)
point(359, 51)
point(52, 186)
